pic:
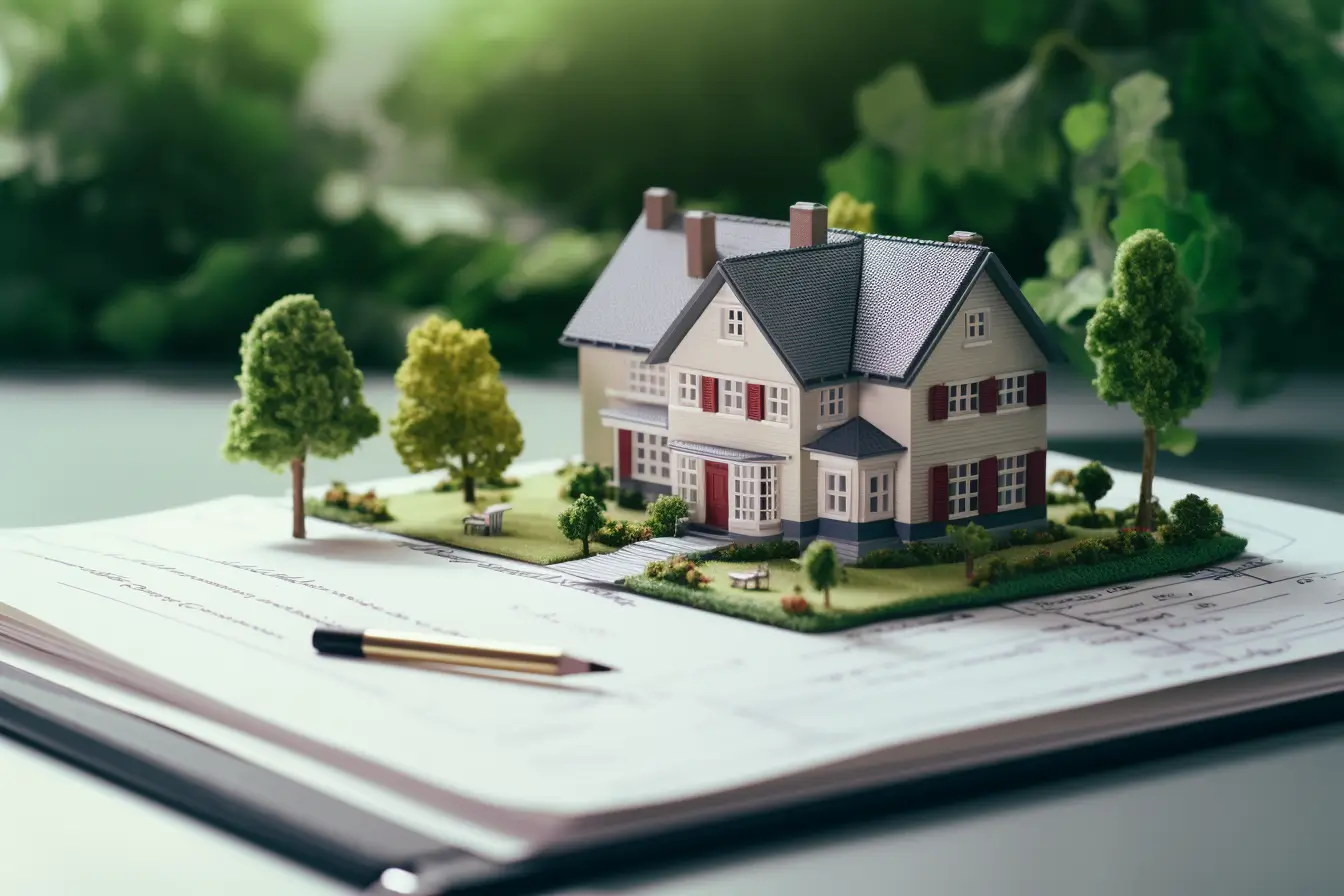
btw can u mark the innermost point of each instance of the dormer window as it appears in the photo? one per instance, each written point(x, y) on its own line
point(734, 324)
point(977, 326)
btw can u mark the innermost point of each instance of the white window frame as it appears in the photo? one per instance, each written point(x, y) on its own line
point(1012, 391)
point(831, 403)
point(688, 389)
point(688, 480)
point(963, 489)
point(836, 498)
point(646, 380)
point(963, 399)
point(652, 458)
point(975, 322)
point(734, 324)
point(1012, 482)
point(884, 496)
point(753, 496)
point(777, 404)
point(733, 397)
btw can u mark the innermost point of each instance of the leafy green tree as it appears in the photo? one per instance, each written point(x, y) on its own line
point(1148, 348)
point(821, 565)
point(301, 394)
point(454, 414)
point(973, 540)
point(1093, 482)
point(664, 514)
point(581, 520)
point(1193, 519)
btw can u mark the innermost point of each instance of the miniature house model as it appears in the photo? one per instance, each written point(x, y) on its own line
point(796, 381)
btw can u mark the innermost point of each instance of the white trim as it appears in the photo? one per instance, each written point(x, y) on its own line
point(725, 407)
point(687, 381)
point(687, 475)
point(733, 324)
point(1022, 405)
point(753, 496)
point(977, 343)
point(783, 399)
point(835, 493)
point(969, 499)
point(979, 330)
point(885, 494)
point(1018, 472)
point(969, 396)
point(734, 343)
point(634, 397)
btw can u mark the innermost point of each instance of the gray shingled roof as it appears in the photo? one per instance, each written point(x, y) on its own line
point(648, 414)
point(861, 306)
point(855, 438)
point(645, 286)
point(719, 452)
point(804, 301)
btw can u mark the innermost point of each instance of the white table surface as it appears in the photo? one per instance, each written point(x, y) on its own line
point(1254, 819)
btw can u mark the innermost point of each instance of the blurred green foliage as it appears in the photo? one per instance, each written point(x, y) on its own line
point(169, 188)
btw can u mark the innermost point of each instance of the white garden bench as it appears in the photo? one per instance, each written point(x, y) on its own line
point(752, 579)
point(488, 522)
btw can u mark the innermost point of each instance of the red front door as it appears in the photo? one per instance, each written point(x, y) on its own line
point(716, 495)
point(623, 466)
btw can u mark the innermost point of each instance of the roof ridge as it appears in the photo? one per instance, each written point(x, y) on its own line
point(791, 250)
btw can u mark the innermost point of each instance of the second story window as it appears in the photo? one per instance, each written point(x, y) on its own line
point(688, 389)
point(963, 399)
point(977, 325)
point(832, 405)
point(777, 404)
point(734, 324)
point(732, 397)
point(1012, 391)
point(647, 380)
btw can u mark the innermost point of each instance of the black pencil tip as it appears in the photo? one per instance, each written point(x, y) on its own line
point(598, 667)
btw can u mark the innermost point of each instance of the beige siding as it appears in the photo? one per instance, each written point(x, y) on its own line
point(1010, 350)
point(600, 369)
point(888, 408)
point(704, 352)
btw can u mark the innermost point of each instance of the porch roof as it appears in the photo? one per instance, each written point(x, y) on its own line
point(855, 438)
point(720, 452)
point(652, 415)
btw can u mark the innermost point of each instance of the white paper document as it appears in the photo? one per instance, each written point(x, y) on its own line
point(211, 608)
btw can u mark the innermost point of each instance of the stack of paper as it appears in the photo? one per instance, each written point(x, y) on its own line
point(201, 618)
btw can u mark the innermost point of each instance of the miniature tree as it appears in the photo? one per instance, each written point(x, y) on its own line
point(581, 520)
point(1193, 519)
point(301, 394)
point(453, 414)
point(1066, 479)
point(589, 479)
point(1148, 348)
point(822, 568)
point(1093, 482)
point(664, 514)
point(973, 540)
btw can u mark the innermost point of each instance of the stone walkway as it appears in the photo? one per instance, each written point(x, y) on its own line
point(631, 559)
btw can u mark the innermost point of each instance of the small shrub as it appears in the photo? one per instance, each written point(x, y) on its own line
point(619, 533)
point(1060, 498)
point(664, 513)
point(1130, 515)
point(1057, 531)
point(1193, 519)
point(994, 569)
point(1065, 479)
point(888, 558)
point(1086, 518)
point(758, 551)
point(678, 570)
point(502, 482)
point(795, 604)
point(1019, 537)
point(631, 499)
point(1089, 551)
point(337, 495)
point(1042, 561)
point(591, 480)
point(445, 485)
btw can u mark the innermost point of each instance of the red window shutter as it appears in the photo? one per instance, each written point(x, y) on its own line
point(1036, 388)
point(709, 394)
point(938, 493)
point(989, 485)
point(755, 401)
point(938, 402)
point(989, 395)
point(1035, 478)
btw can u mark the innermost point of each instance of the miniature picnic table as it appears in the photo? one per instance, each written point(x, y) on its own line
point(752, 579)
point(488, 522)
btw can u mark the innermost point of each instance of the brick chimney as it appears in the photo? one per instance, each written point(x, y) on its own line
point(659, 204)
point(965, 237)
point(807, 224)
point(700, 251)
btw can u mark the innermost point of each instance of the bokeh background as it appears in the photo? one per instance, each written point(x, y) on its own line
point(170, 167)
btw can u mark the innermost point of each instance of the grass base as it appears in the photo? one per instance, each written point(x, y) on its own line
point(764, 606)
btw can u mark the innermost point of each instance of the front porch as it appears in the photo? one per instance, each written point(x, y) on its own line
point(730, 490)
point(643, 462)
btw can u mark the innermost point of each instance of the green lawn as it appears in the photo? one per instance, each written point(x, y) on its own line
point(530, 531)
